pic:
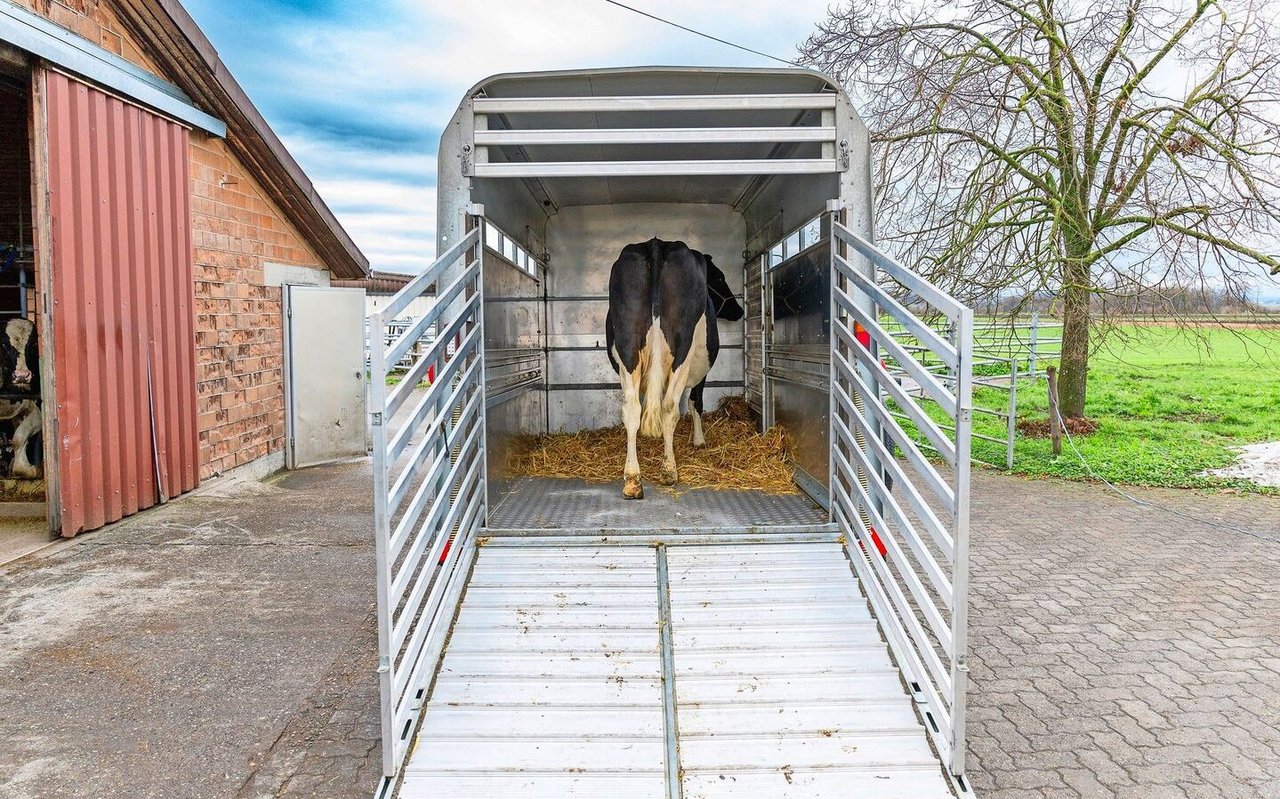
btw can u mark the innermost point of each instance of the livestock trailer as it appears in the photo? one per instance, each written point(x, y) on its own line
point(543, 637)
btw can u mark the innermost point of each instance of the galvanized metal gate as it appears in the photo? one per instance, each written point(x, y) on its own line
point(429, 478)
point(907, 519)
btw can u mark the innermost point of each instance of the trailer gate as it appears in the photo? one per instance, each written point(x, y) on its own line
point(429, 479)
point(906, 519)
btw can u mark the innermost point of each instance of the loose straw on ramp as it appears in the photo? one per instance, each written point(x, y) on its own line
point(736, 456)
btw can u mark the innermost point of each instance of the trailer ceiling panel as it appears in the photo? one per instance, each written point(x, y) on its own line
point(654, 134)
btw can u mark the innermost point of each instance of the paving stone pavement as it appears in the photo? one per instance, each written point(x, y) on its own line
point(1121, 651)
point(1117, 651)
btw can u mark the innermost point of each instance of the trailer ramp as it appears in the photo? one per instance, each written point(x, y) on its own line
point(676, 670)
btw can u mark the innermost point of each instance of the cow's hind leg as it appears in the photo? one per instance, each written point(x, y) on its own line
point(29, 426)
point(632, 487)
point(695, 405)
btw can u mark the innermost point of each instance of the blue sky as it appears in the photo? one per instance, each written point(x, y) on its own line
point(360, 91)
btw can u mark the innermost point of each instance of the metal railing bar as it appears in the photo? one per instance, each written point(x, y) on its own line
point(400, 439)
point(505, 394)
point(442, 430)
point(532, 137)
point(932, 615)
point(426, 536)
point(438, 537)
point(414, 376)
point(415, 644)
point(438, 634)
point(414, 288)
point(923, 377)
point(937, 530)
point(692, 102)
point(923, 333)
point(910, 280)
point(428, 546)
point(443, 300)
point(600, 169)
point(921, 420)
point(444, 470)
point(932, 569)
point(889, 422)
point(903, 650)
point(469, 378)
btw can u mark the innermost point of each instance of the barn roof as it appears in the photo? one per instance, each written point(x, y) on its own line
point(188, 59)
point(376, 282)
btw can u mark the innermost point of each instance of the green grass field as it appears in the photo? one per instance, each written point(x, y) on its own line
point(1169, 403)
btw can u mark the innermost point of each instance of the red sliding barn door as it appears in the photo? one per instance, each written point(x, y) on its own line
point(119, 304)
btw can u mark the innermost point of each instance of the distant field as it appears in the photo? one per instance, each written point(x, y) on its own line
point(1169, 404)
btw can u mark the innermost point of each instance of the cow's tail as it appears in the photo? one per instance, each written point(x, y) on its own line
point(656, 375)
point(657, 256)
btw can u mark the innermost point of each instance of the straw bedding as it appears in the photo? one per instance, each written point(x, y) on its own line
point(736, 456)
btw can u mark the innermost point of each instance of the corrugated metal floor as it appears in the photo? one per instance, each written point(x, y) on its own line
point(552, 682)
point(542, 502)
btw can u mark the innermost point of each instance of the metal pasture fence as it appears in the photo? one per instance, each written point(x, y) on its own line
point(1004, 350)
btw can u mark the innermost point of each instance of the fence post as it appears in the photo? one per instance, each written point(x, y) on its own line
point(1035, 330)
point(1055, 418)
point(1013, 411)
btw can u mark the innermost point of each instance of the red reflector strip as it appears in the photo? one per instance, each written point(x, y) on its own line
point(875, 539)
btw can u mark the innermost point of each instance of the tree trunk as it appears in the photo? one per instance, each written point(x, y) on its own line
point(1074, 375)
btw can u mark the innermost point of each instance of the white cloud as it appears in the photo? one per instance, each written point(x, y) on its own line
point(361, 101)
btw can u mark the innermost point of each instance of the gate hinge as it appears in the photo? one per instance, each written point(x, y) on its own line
point(384, 664)
point(962, 664)
point(844, 154)
point(376, 418)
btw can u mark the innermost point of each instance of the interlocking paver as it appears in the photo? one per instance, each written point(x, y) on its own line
point(1145, 643)
point(1117, 651)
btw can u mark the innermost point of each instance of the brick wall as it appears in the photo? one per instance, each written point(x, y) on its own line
point(236, 229)
point(239, 324)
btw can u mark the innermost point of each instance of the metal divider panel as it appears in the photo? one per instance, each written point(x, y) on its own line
point(784, 685)
point(552, 682)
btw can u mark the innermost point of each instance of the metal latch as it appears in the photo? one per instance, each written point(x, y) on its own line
point(384, 664)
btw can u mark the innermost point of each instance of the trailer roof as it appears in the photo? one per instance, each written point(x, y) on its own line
point(604, 136)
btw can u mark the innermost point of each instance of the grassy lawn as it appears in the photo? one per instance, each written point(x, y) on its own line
point(1169, 404)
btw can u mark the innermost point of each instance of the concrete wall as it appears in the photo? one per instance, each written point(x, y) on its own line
point(236, 229)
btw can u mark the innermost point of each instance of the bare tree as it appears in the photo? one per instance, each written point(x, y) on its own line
point(1098, 147)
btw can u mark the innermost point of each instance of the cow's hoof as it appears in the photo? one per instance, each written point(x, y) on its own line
point(30, 473)
point(632, 488)
point(669, 476)
point(699, 443)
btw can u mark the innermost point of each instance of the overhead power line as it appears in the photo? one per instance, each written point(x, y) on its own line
point(687, 29)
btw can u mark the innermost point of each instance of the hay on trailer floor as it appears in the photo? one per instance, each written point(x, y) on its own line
point(736, 456)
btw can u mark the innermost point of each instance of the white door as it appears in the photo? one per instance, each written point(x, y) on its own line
point(325, 387)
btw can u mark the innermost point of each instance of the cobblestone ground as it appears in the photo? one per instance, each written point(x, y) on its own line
point(1120, 651)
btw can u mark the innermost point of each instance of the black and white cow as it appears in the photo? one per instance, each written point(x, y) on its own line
point(723, 306)
point(20, 375)
point(662, 339)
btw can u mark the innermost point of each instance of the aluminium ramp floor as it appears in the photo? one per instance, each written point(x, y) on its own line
point(552, 682)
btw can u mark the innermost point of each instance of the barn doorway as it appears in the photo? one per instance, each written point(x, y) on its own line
point(23, 525)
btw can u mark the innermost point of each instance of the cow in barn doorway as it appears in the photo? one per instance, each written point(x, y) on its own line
point(661, 338)
point(19, 377)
